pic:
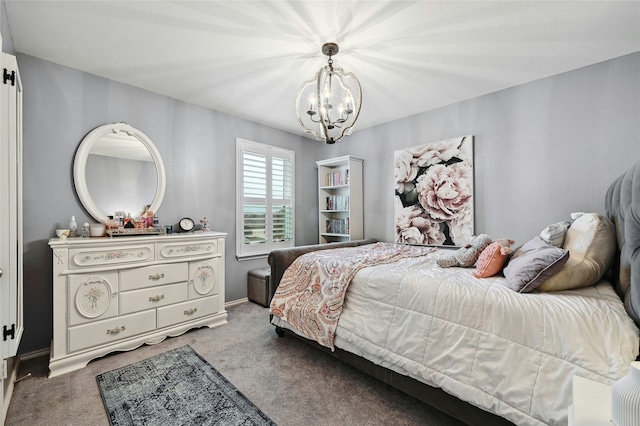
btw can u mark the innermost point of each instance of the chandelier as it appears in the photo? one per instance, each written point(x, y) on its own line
point(329, 104)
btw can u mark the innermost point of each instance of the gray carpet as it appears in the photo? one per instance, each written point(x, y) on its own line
point(175, 387)
point(291, 382)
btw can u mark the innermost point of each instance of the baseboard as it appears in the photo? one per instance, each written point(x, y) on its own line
point(236, 302)
point(35, 354)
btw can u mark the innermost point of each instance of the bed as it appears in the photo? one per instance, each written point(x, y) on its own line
point(496, 350)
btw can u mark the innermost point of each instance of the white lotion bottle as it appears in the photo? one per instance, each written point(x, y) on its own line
point(73, 227)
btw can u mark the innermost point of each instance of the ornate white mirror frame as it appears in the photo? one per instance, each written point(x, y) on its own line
point(90, 142)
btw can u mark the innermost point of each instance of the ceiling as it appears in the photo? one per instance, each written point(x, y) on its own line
point(248, 58)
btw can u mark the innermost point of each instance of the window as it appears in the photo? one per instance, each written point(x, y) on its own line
point(264, 199)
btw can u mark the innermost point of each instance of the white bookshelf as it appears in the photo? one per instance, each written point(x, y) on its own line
point(340, 199)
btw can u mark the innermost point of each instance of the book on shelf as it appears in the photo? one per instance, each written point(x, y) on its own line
point(337, 226)
point(337, 178)
point(337, 202)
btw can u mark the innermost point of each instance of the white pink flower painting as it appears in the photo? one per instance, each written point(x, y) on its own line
point(434, 193)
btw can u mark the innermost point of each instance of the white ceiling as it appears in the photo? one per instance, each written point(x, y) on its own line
point(248, 58)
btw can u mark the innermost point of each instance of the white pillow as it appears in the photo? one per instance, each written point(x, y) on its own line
point(591, 242)
point(555, 234)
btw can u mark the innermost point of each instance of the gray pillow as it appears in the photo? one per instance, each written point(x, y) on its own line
point(532, 264)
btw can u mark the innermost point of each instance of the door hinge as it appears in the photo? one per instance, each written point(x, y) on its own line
point(9, 332)
point(9, 76)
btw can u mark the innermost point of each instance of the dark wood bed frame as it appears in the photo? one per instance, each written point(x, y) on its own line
point(622, 203)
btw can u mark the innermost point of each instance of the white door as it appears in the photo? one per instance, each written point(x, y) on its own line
point(11, 325)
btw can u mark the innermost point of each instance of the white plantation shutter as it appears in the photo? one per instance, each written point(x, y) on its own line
point(265, 182)
point(254, 197)
point(281, 199)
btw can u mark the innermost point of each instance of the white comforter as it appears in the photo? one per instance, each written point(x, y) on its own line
point(508, 353)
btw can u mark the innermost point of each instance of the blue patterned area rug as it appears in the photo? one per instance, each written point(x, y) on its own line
point(178, 387)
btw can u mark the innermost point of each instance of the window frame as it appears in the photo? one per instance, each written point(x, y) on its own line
point(253, 251)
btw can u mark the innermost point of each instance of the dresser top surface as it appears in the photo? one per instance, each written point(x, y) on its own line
point(136, 239)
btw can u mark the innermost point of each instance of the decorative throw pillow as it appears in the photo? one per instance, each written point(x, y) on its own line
point(466, 256)
point(591, 242)
point(554, 234)
point(532, 264)
point(491, 260)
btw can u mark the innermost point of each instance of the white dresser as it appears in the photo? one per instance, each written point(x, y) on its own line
point(115, 294)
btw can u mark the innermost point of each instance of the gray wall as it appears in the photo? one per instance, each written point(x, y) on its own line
point(542, 150)
point(61, 105)
point(7, 39)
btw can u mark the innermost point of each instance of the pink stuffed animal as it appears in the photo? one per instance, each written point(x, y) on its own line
point(506, 245)
point(493, 258)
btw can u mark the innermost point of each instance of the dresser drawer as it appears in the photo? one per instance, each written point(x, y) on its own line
point(151, 276)
point(193, 249)
point(193, 309)
point(92, 257)
point(154, 297)
point(92, 297)
point(111, 330)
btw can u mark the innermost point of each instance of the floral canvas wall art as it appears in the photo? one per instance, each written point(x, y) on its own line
point(434, 193)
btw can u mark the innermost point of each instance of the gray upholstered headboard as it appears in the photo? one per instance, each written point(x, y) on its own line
point(623, 207)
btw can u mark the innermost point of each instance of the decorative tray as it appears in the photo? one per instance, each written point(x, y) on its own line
point(132, 231)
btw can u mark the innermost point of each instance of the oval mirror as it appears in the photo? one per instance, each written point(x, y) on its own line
point(117, 168)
